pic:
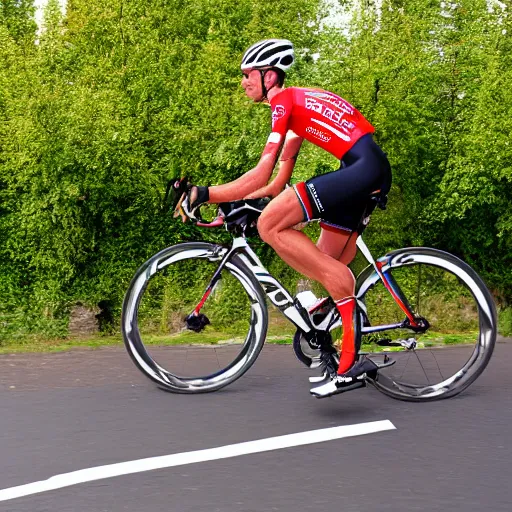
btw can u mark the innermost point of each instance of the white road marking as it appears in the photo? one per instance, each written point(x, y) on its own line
point(179, 459)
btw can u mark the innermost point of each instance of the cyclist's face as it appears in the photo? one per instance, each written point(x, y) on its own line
point(251, 82)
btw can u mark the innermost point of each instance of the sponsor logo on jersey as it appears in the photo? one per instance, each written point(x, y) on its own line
point(278, 112)
point(318, 134)
point(340, 103)
point(332, 113)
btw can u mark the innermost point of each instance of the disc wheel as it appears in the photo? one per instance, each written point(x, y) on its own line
point(228, 335)
point(454, 350)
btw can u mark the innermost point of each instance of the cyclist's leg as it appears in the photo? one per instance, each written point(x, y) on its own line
point(341, 199)
point(275, 227)
point(356, 188)
point(340, 245)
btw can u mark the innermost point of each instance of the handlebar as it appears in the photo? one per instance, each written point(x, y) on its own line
point(239, 217)
point(215, 223)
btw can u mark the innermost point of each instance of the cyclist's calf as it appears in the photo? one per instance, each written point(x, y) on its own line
point(275, 226)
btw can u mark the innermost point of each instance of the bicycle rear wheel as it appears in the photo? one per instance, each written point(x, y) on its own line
point(168, 288)
point(446, 358)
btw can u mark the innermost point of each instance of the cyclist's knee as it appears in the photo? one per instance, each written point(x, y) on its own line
point(270, 224)
point(265, 228)
point(282, 213)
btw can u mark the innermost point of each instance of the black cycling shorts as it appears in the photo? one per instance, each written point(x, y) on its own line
point(342, 199)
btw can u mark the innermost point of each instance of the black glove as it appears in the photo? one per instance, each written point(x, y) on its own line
point(174, 194)
point(191, 208)
point(178, 197)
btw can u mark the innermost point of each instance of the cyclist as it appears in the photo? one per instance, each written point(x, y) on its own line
point(340, 200)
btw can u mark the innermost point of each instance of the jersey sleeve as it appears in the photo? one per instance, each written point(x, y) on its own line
point(281, 111)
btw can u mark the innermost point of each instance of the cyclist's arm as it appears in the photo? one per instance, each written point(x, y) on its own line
point(286, 164)
point(252, 180)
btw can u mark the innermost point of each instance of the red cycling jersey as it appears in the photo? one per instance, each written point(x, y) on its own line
point(318, 116)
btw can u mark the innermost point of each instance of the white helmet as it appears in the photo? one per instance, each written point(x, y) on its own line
point(271, 53)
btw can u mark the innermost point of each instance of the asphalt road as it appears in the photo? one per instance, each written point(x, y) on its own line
point(83, 409)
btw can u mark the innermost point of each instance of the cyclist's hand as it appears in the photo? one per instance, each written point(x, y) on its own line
point(178, 211)
point(176, 191)
point(190, 201)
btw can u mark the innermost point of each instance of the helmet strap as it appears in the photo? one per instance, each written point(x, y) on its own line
point(263, 88)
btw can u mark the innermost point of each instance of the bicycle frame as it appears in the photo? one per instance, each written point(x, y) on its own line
point(314, 325)
point(291, 307)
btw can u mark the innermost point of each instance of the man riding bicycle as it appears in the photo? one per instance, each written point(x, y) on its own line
point(341, 200)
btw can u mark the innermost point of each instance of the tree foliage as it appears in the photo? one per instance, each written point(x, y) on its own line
point(434, 78)
point(117, 97)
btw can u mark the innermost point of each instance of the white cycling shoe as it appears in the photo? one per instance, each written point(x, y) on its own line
point(327, 362)
point(319, 378)
point(338, 384)
point(352, 379)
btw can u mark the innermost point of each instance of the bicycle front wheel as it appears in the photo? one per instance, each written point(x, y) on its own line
point(446, 292)
point(227, 338)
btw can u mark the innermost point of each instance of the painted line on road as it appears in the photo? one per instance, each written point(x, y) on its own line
point(179, 459)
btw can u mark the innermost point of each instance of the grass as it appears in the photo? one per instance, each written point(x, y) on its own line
point(41, 345)
point(280, 333)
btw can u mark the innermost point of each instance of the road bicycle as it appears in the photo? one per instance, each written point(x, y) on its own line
point(438, 311)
